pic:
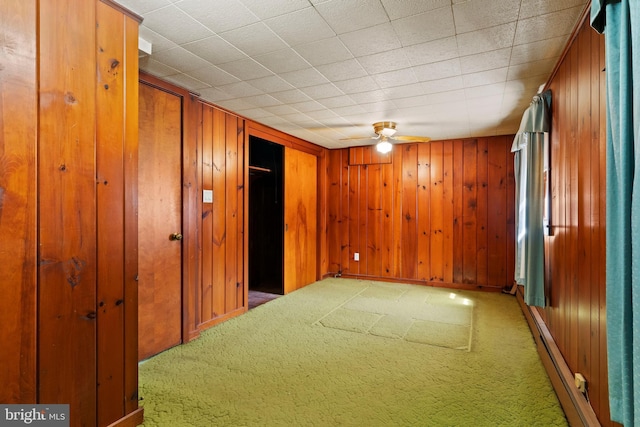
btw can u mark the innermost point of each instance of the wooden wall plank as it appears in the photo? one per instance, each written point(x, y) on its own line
point(469, 211)
point(482, 211)
point(231, 213)
point(354, 221)
point(207, 272)
point(438, 206)
point(344, 214)
point(447, 228)
point(241, 296)
point(334, 211)
point(409, 246)
point(131, 216)
point(497, 212)
point(374, 220)
point(219, 237)
point(387, 220)
point(67, 191)
point(18, 201)
point(458, 211)
point(110, 115)
point(424, 214)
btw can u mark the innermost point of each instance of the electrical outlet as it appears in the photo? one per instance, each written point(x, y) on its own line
point(356, 256)
point(581, 383)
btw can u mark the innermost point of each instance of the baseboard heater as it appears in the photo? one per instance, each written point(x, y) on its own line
point(576, 407)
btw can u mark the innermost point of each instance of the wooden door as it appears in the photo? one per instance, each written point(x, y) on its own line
point(300, 219)
point(159, 207)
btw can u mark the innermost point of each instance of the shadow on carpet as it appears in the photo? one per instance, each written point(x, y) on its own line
point(344, 352)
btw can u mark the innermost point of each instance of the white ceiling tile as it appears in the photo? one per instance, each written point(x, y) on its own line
point(301, 26)
point(385, 61)
point(485, 77)
point(308, 107)
point(337, 101)
point(318, 113)
point(385, 107)
point(480, 14)
point(291, 96)
point(186, 81)
point(158, 43)
point(143, 6)
point(348, 110)
point(322, 91)
point(438, 70)
point(485, 90)
point(323, 52)
point(304, 78)
point(215, 15)
point(213, 75)
point(240, 89)
point(395, 78)
point(432, 25)
point(404, 91)
point(180, 59)
point(215, 95)
point(367, 41)
point(156, 68)
point(263, 100)
point(543, 49)
point(245, 69)
point(254, 113)
point(547, 26)
point(531, 8)
point(402, 8)
point(183, 28)
point(368, 96)
point(270, 84)
point(282, 61)
point(531, 69)
point(235, 104)
point(214, 50)
point(254, 39)
point(434, 51)
point(342, 70)
point(269, 9)
point(357, 85)
point(345, 16)
point(442, 85)
point(485, 61)
point(498, 37)
point(281, 110)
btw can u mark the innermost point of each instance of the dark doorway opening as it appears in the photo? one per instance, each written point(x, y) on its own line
point(266, 216)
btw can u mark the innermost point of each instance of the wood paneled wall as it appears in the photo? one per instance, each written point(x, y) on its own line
point(575, 253)
point(440, 213)
point(18, 201)
point(221, 140)
point(68, 191)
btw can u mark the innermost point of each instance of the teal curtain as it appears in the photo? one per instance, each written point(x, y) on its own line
point(620, 22)
point(529, 148)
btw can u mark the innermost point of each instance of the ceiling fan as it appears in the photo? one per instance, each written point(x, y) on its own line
point(385, 133)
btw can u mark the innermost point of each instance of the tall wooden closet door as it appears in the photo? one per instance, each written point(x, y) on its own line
point(159, 222)
point(300, 219)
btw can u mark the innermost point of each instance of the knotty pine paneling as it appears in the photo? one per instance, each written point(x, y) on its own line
point(222, 289)
point(18, 201)
point(576, 316)
point(437, 214)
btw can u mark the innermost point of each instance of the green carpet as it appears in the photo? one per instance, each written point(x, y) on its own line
point(344, 352)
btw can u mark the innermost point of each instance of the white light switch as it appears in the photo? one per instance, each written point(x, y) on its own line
point(356, 256)
point(207, 196)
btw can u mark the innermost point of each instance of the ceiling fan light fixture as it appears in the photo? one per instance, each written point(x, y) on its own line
point(384, 146)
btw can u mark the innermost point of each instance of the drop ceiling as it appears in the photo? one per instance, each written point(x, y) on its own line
point(327, 70)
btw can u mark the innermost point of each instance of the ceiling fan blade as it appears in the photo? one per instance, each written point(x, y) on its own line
point(359, 137)
point(411, 138)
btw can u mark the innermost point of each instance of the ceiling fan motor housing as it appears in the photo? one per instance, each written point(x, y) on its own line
point(385, 128)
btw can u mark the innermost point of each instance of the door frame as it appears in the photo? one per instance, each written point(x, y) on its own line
point(264, 132)
point(190, 261)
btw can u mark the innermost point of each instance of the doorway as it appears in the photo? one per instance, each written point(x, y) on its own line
point(266, 217)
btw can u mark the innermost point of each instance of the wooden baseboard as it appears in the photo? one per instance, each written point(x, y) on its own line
point(448, 285)
point(576, 407)
point(133, 419)
point(212, 322)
